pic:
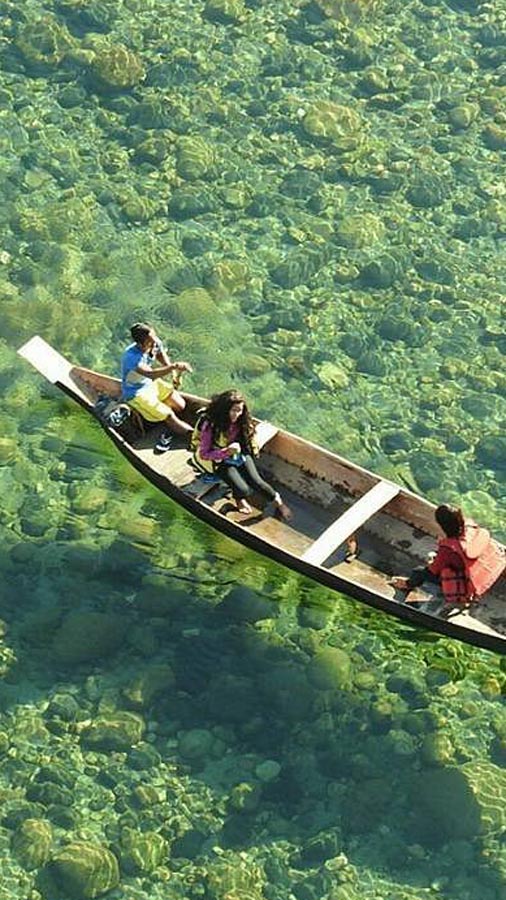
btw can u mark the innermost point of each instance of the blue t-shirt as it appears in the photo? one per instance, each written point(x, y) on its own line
point(133, 357)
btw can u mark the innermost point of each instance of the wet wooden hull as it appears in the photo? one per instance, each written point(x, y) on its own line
point(330, 498)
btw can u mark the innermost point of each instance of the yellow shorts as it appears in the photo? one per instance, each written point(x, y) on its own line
point(152, 401)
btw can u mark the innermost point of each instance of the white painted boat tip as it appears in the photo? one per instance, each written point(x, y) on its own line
point(45, 359)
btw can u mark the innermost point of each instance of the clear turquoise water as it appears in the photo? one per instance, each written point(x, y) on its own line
point(308, 201)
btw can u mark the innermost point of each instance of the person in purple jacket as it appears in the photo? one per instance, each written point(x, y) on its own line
point(226, 447)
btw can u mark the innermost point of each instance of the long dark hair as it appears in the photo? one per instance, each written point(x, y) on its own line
point(218, 416)
point(451, 520)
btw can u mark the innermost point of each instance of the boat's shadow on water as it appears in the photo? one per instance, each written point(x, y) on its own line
point(301, 738)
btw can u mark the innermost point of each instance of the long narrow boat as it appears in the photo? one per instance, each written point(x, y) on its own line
point(331, 499)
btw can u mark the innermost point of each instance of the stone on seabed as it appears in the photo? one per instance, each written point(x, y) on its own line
point(85, 870)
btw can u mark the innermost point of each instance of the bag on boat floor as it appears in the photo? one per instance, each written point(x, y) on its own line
point(126, 421)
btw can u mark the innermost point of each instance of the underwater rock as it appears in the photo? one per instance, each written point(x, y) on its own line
point(300, 183)
point(334, 123)
point(464, 802)
point(463, 115)
point(245, 797)
point(114, 731)
point(191, 201)
point(436, 268)
point(330, 670)
point(152, 113)
point(225, 12)
point(116, 68)
point(235, 878)
point(88, 498)
point(437, 749)
point(494, 137)
point(361, 230)
point(324, 845)
point(428, 189)
point(43, 44)
point(89, 15)
point(136, 207)
point(154, 150)
point(228, 277)
point(195, 158)
point(228, 698)
point(155, 679)
point(141, 851)
point(84, 636)
point(301, 265)
point(374, 80)
point(195, 743)
point(267, 771)
point(490, 452)
point(348, 11)
point(85, 870)
point(372, 363)
point(382, 272)
point(192, 307)
point(392, 327)
point(31, 843)
point(243, 604)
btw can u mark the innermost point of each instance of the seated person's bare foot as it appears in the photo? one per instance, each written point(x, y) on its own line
point(244, 507)
point(352, 550)
point(400, 583)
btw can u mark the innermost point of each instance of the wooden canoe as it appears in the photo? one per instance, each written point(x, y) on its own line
point(330, 497)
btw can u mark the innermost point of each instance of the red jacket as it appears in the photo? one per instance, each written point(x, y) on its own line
point(469, 565)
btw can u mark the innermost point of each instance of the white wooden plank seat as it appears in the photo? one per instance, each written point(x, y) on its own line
point(345, 526)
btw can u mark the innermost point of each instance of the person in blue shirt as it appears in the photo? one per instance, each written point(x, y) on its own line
point(143, 385)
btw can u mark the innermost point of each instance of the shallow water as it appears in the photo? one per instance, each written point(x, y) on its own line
point(307, 200)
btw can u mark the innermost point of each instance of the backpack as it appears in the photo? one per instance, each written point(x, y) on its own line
point(208, 467)
point(124, 420)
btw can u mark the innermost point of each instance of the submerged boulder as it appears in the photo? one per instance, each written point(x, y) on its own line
point(114, 731)
point(464, 802)
point(88, 635)
point(334, 123)
point(330, 669)
point(116, 68)
point(141, 851)
point(85, 870)
point(31, 843)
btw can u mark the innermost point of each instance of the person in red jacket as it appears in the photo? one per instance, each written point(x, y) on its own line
point(467, 562)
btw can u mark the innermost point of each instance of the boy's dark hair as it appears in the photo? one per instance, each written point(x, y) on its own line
point(450, 519)
point(140, 331)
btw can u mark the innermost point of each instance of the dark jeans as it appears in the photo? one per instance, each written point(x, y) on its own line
point(245, 479)
point(420, 574)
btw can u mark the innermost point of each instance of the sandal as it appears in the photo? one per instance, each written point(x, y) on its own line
point(244, 507)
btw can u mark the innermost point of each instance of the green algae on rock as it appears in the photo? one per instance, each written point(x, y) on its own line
point(114, 731)
point(195, 158)
point(330, 669)
point(31, 843)
point(116, 68)
point(348, 10)
point(341, 126)
point(225, 12)
point(85, 870)
point(141, 852)
point(155, 679)
point(43, 43)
